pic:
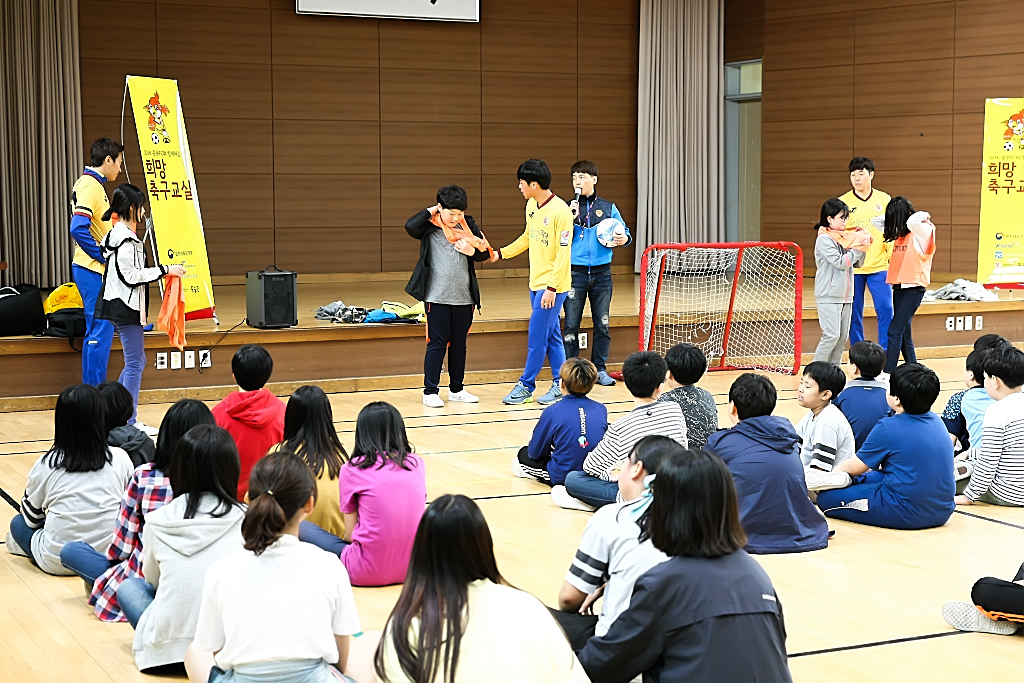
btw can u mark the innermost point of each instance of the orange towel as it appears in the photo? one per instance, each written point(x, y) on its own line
point(851, 239)
point(172, 312)
point(462, 232)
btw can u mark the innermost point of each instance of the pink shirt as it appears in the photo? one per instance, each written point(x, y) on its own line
point(389, 501)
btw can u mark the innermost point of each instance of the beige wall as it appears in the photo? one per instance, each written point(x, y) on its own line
point(314, 138)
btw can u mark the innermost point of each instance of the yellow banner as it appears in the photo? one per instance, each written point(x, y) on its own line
point(171, 186)
point(1001, 237)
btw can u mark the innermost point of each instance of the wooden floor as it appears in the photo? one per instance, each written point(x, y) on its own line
point(868, 608)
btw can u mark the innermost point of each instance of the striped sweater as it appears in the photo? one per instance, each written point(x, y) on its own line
point(664, 418)
point(999, 464)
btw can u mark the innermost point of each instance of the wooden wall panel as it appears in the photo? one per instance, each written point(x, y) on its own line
point(915, 97)
point(744, 41)
point(319, 136)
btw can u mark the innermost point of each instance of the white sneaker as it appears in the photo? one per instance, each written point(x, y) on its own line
point(462, 397)
point(517, 469)
point(819, 480)
point(432, 401)
point(963, 616)
point(564, 500)
point(143, 427)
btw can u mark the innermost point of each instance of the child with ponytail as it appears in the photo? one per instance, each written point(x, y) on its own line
point(298, 629)
point(383, 490)
point(836, 252)
point(125, 289)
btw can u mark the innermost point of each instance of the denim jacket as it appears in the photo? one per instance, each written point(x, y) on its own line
point(586, 250)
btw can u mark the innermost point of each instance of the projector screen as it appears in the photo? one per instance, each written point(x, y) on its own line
point(435, 10)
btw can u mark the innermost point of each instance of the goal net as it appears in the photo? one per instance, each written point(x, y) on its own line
point(740, 302)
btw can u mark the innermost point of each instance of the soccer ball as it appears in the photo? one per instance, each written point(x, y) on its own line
point(155, 138)
point(1008, 145)
point(606, 230)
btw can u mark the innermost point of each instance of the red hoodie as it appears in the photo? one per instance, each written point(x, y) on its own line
point(255, 420)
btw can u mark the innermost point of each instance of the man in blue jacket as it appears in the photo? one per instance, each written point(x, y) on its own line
point(591, 267)
point(761, 452)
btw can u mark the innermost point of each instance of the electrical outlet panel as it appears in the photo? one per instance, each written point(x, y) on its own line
point(190, 360)
point(583, 337)
point(977, 322)
point(968, 322)
point(950, 323)
point(205, 358)
point(959, 323)
point(175, 360)
point(161, 360)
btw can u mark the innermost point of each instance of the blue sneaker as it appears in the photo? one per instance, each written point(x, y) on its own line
point(604, 379)
point(520, 394)
point(554, 394)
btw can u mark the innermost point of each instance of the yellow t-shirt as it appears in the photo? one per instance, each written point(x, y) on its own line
point(861, 212)
point(548, 236)
point(89, 199)
point(326, 513)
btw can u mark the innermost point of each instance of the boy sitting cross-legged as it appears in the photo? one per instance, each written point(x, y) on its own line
point(644, 373)
point(998, 476)
point(966, 427)
point(825, 435)
point(686, 365)
point(903, 475)
point(567, 431)
point(760, 451)
point(863, 400)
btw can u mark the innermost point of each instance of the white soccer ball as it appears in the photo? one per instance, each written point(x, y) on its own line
point(607, 229)
point(1008, 145)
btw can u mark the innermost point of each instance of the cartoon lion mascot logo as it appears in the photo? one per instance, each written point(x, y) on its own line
point(156, 119)
point(1014, 135)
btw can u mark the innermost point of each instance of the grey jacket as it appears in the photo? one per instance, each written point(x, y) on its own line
point(833, 282)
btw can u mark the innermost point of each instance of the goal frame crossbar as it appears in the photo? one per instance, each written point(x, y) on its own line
point(741, 247)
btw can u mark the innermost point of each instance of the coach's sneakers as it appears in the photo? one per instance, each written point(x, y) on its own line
point(819, 480)
point(963, 616)
point(520, 394)
point(564, 500)
point(433, 401)
point(553, 395)
point(462, 397)
point(605, 380)
point(518, 470)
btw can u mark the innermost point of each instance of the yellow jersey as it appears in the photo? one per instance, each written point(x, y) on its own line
point(861, 212)
point(548, 236)
point(89, 199)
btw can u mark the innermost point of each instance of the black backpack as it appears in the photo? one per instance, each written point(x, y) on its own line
point(21, 310)
point(66, 323)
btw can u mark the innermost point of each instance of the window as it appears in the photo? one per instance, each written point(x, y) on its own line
point(743, 151)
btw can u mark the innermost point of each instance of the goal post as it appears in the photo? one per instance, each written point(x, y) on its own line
point(739, 302)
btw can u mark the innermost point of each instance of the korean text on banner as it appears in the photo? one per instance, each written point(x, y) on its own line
point(174, 202)
point(1001, 236)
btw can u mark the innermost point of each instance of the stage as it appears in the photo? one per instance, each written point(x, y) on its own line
point(343, 357)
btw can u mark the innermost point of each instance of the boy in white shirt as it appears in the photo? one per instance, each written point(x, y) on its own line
point(825, 435)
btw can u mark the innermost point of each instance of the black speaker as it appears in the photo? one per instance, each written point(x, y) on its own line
point(271, 298)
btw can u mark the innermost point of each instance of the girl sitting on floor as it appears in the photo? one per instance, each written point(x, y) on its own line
point(280, 610)
point(309, 433)
point(181, 540)
point(497, 633)
point(74, 489)
point(383, 489)
point(148, 490)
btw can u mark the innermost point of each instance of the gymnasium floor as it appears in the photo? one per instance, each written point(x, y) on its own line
point(866, 609)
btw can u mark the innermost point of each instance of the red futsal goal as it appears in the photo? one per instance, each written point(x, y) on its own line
point(740, 302)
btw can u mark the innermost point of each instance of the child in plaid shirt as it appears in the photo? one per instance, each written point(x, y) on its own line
point(148, 490)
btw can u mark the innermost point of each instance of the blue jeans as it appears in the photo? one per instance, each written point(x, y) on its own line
point(905, 303)
point(134, 347)
point(22, 534)
point(881, 297)
point(545, 339)
point(99, 334)
point(82, 559)
point(591, 490)
point(134, 596)
point(325, 540)
point(599, 288)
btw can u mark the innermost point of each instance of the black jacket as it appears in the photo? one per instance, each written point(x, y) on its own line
point(418, 227)
point(695, 620)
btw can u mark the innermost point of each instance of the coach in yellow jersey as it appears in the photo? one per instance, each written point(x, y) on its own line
point(548, 236)
point(865, 203)
point(88, 203)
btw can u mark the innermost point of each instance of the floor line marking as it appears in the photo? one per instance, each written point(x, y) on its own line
point(879, 643)
point(989, 519)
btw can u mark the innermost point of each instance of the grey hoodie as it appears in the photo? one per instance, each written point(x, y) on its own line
point(833, 281)
point(175, 555)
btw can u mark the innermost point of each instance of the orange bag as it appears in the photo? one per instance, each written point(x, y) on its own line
point(172, 312)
